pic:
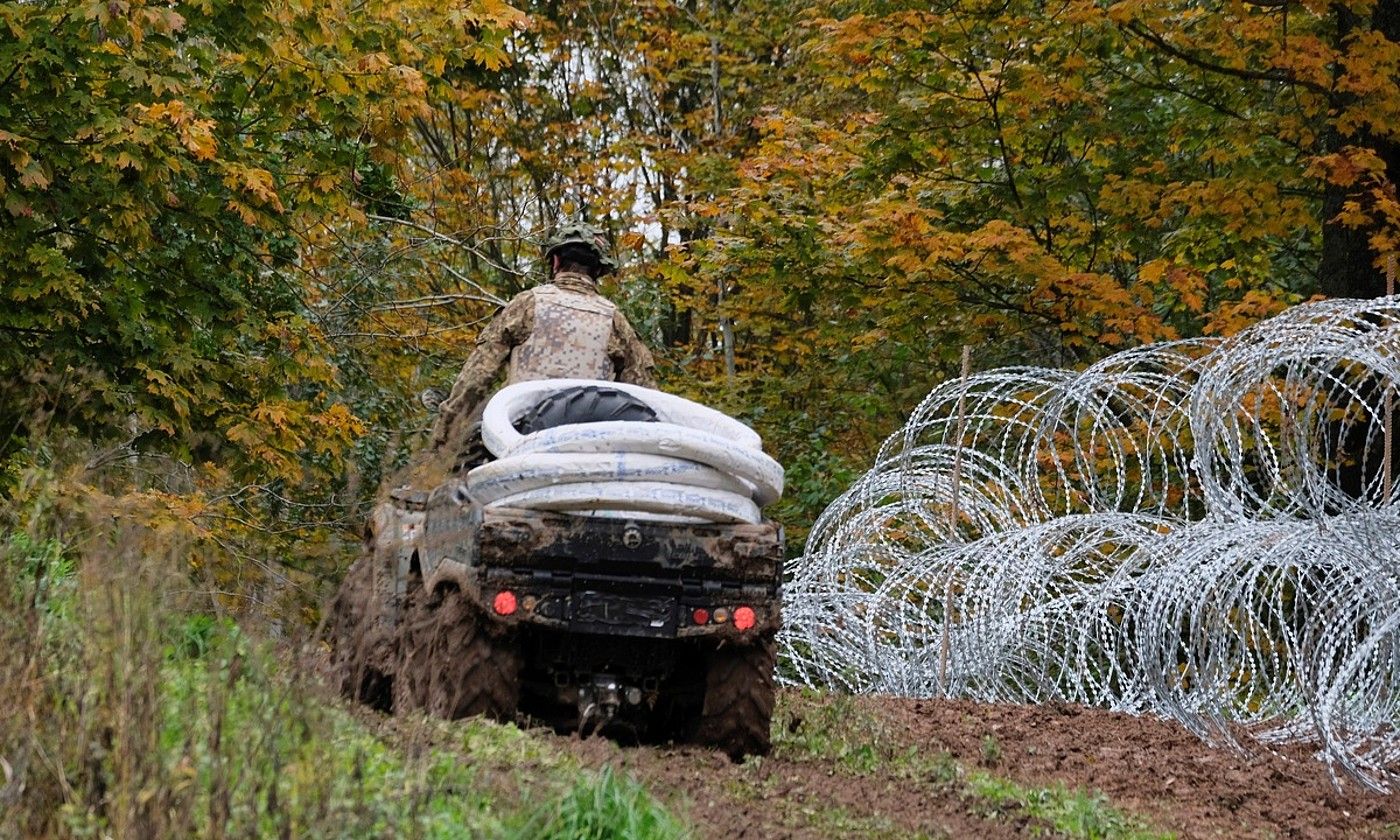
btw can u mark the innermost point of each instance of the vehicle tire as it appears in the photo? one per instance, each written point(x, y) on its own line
point(739, 693)
point(359, 642)
point(584, 404)
point(473, 668)
point(413, 674)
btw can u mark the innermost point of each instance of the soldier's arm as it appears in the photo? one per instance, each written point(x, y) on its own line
point(635, 365)
point(492, 349)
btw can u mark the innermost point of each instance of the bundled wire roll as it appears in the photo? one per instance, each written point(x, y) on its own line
point(1203, 530)
point(678, 461)
point(761, 472)
point(501, 437)
point(640, 496)
point(534, 470)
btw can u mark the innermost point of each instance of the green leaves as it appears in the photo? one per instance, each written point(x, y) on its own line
point(165, 171)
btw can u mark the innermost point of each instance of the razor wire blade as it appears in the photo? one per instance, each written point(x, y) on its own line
point(1205, 530)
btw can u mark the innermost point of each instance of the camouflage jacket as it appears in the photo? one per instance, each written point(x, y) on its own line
point(627, 359)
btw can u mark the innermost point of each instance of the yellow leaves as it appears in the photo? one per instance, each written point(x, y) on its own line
point(338, 428)
point(161, 384)
point(196, 135)
point(255, 182)
point(281, 433)
point(490, 56)
point(1371, 63)
point(1152, 271)
point(243, 211)
point(275, 414)
point(496, 14)
point(32, 175)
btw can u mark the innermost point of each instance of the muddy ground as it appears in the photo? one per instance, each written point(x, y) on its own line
point(890, 767)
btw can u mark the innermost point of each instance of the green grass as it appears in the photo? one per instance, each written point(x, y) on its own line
point(141, 711)
point(602, 806)
point(142, 714)
point(834, 728)
point(1070, 813)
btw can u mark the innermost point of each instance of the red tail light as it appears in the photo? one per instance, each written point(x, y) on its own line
point(744, 618)
point(505, 603)
point(701, 616)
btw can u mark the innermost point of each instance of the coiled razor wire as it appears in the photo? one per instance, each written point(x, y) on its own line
point(1204, 530)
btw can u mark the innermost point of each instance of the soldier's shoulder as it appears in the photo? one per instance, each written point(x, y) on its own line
point(521, 299)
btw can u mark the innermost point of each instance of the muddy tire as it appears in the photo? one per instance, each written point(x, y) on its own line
point(471, 667)
point(739, 693)
point(361, 649)
point(413, 680)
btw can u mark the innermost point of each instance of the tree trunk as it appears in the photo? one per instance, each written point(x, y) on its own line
point(1349, 267)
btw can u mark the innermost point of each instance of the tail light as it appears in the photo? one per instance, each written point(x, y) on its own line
point(505, 603)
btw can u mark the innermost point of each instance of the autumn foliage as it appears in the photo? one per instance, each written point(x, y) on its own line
point(237, 239)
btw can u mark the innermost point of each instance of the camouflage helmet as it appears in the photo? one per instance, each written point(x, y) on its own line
point(578, 233)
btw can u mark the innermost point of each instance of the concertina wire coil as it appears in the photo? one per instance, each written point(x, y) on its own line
point(1202, 530)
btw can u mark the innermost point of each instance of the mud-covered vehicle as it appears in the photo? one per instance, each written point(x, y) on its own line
point(641, 629)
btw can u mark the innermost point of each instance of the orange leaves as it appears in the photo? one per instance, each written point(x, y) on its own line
point(1370, 65)
point(1349, 166)
point(1007, 240)
point(1096, 309)
point(255, 183)
point(196, 134)
point(1254, 306)
point(282, 433)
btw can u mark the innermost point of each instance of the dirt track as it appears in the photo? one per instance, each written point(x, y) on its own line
point(887, 767)
point(876, 767)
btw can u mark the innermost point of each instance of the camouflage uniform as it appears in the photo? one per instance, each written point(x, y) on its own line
point(560, 330)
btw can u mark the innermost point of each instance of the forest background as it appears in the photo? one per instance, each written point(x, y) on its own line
point(239, 239)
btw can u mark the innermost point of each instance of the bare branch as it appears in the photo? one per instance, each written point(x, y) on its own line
point(458, 243)
point(1281, 76)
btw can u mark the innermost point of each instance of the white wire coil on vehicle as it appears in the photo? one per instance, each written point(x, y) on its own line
point(750, 465)
point(641, 496)
point(533, 470)
point(498, 420)
point(693, 465)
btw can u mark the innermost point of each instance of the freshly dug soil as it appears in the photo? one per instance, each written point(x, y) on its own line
point(842, 766)
point(1149, 768)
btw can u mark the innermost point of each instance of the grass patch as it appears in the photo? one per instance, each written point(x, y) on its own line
point(140, 712)
point(1071, 813)
point(809, 726)
point(833, 727)
point(604, 806)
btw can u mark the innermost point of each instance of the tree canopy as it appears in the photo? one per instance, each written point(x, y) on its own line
point(247, 234)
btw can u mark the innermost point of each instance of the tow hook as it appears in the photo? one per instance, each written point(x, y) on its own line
point(599, 701)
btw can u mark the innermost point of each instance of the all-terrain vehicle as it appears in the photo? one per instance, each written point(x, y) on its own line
point(642, 629)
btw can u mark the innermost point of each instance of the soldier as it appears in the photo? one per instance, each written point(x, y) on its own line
point(563, 329)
